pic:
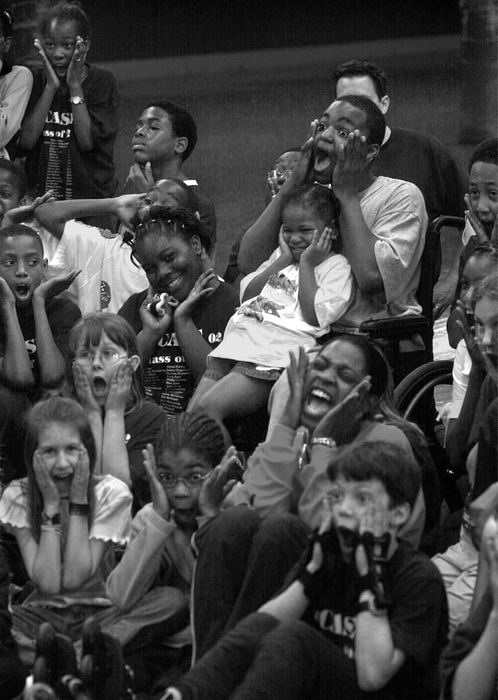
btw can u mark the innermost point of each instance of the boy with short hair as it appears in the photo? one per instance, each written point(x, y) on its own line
point(365, 615)
point(481, 226)
point(34, 328)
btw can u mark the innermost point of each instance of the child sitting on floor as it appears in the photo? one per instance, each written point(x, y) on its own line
point(288, 302)
point(365, 614)
point(152, 581)
point(62, 516)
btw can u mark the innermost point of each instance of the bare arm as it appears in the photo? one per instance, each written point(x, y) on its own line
point(33, 123)
point(76, 74)
point(53, 215)
point(257, 283)
point(13, 105)
point(51, 361)
point(114, 454)
point(349, 178)
point(14, 365)
point(194, 348)
point(82, 556)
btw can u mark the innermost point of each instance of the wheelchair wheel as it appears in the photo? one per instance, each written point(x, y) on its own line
point(418, 386)
point(415, 398)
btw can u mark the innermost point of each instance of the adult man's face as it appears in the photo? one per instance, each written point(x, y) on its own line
point(154, 139)
point(364, 86)
point(335, 125)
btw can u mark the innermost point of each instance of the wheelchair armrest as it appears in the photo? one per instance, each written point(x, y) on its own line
point(395, 327)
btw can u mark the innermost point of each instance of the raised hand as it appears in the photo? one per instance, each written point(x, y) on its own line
point(155, 325)
point(286, 256)
point(480, 231)
point(204, 286)
point(56, 285)
point(302, 170)
point(343, 422)
point(120, 387)
point(375, 520)
point(81, 476)
point(217, 485)
point(49, 492)
point(127, 206)
point(76, 71)
point(350, 167)
point(320, 247)
point(84, 391)
point(6, 294)
point(296, 376)
point(160, 501)
point(26, 211)
point(140, 178)
point(52, 77)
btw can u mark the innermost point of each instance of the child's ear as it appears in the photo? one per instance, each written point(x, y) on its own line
point(181, 144)
point(196, 244)
point(399, 514)
point(135, 362)
point(372, 152)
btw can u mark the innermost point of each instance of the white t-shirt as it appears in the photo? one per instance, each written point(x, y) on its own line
point(108, 276)
point(394, 211)
point(267, 327)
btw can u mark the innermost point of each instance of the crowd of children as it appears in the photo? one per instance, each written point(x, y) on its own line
point(131, 374)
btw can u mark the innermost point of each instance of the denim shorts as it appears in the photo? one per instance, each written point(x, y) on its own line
point(219, 367)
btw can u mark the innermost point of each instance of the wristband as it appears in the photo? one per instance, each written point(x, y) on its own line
point(50, 520)
point(311, 583)
point(371, 605)
point(325, 441)
point(77, 99)
point(79, 509)
point(51, 528)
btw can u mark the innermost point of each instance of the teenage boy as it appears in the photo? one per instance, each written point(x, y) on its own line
point(406, 154)
point(365, 614)
point(173, 251)
point(481, 227)
point(165, 136)
point(382, 220)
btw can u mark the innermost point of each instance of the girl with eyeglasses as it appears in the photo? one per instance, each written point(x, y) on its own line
point(106, 378)
point(15, 88)
point(189, 470)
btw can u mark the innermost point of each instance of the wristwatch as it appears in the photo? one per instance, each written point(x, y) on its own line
point(76, 100)
point(50, 519)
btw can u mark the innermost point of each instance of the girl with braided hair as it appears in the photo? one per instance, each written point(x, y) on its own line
point(188, 471)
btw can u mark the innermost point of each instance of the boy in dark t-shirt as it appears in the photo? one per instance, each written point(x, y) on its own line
point(171, 247)
point(34, 326)
point(365, 615)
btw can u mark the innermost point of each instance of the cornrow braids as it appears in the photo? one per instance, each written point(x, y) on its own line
point(195, 431)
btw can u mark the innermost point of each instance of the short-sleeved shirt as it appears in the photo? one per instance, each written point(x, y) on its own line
point(418, 618)
point(55, 162)
point(167, 377)
point(108, 276)
point(394, 211)
point(110, 523)
point(266, 328)
point(62, 314)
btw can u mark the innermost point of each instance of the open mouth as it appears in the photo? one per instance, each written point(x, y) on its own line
point(99, 386)
point(318, 402)
point(23, 291)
